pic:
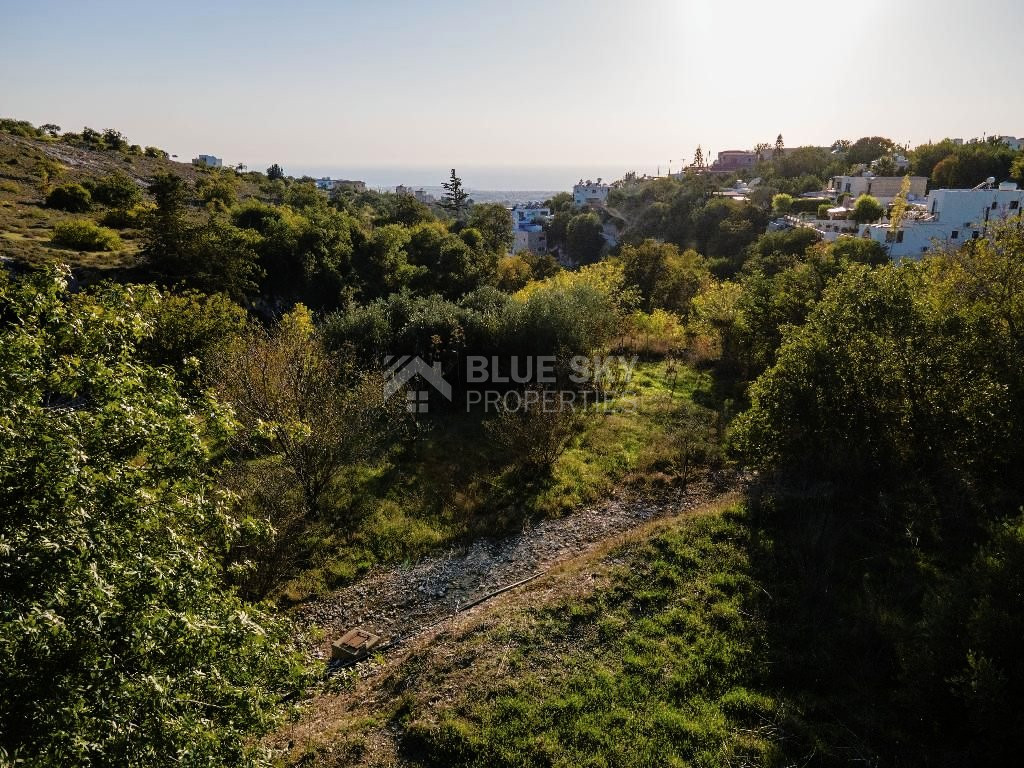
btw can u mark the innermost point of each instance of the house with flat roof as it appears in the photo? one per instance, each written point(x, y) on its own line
point(207, 161)
point(734, 161)
point(588, 193)
point(949, 217)
point(883, 188)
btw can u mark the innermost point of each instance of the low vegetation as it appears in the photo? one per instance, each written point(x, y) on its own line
point(84, 235)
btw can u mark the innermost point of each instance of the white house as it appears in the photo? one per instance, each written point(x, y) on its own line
point(207, 161)
point(1013, 143)
point(883, 188)
point(528, 227)
point(586, 193)
point(336, 185)
point(949, 216)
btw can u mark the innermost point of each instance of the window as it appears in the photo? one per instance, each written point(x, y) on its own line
point(994, 205)
point(899, 236)
point(975, 234)
point(954, 234)
point(1014, 205)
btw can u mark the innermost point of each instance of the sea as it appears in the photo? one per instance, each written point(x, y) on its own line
point(485, 184)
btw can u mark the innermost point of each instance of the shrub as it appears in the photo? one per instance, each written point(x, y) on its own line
point(155, 152)
point(73, 198)
point(823, 210)
point(805, 205)
point(125, 218)
point(85, 236)
point(117, 190)
point(782, 203)
point(867, 209)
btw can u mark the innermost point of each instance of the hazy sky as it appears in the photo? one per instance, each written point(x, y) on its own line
point(584, 87)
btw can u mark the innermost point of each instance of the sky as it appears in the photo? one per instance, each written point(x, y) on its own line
point(516, 95)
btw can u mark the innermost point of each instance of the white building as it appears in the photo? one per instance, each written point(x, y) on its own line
point(1013, 143)
point(336, 185)
point(883, 188)
point(586, 193)
point(949, 217)
point(207, 161)
point(528, 226)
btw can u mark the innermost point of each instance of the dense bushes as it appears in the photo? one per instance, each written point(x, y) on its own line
point(73, 198)
point(571, 313)
point(805, 205)
point(85, 235)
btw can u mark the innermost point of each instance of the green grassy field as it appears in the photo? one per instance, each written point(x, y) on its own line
point(662, 666)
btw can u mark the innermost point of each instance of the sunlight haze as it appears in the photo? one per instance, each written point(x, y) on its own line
point(588, 87)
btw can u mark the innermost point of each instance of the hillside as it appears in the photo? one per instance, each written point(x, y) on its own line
point(30, 168)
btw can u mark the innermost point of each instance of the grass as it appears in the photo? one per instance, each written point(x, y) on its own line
point(662, 667)
point(452, 484)
point(649, 653)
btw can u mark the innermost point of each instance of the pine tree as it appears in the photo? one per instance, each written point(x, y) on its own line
point(779, 146)
point(455, 198)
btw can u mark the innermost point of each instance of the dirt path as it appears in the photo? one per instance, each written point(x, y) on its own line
point(399, 602)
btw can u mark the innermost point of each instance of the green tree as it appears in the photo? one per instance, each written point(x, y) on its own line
point(212, 255)
point(867, 149)
point(495, 224)
point(455, 198)
point(217, 190)
point(782, 204)
point(866, 209)
point(560, 202)
point(275, 172)
point(1017, 169)
point(584, 238)
point(318, 415)
point(118, 190)
point(665, 277)
point(120, 643)
point(115, 140)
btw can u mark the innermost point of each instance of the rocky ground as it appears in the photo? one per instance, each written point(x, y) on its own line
point(401, 601)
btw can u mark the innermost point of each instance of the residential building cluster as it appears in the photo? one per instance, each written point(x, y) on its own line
point(420, 194)
point(528, 227)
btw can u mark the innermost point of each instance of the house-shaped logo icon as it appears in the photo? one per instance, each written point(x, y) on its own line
point(401, 370)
